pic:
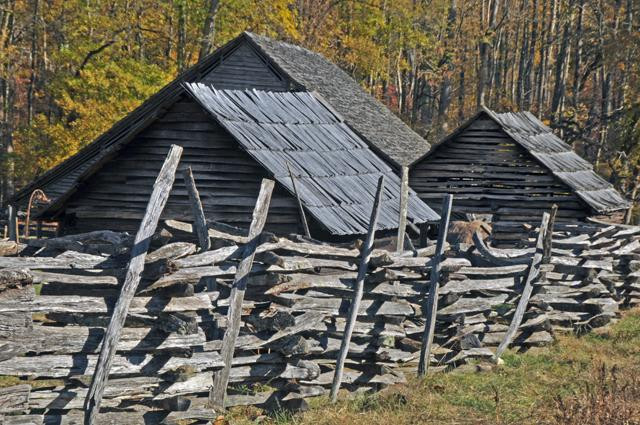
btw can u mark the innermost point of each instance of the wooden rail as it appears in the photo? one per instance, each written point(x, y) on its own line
point(218, 391)
point(431, 309)
point(354, 308)
point(532, 274)
point(157, 201)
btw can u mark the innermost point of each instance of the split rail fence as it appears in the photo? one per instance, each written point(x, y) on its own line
point(58, 296)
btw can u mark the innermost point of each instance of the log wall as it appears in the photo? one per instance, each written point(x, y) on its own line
point(228, 179)
point(293, 317)
point(489, 173)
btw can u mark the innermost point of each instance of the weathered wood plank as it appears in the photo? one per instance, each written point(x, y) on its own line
point(532, 274)
point(219, 389)
point(404, 200)
point(431, 307)
point(157, 201)
point(199, 220)
point(357, 295)
point(303, 216)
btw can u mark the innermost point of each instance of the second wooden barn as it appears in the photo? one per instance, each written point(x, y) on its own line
point(511, 167)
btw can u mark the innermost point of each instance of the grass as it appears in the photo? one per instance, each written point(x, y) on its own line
point(593, 379)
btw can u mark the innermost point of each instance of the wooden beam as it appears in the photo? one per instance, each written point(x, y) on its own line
point(532, 274)
point(404, 198)
point(424, 235)
point(548, 236)
point(157, 201)
point(218, 391)
point(358, 290)
point(13, 229)
point(303, 217)
point(199, 220)
point(432, 299)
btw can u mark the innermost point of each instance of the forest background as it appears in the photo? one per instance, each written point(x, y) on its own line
point(69, 69)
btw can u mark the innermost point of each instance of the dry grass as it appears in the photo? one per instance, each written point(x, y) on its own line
point(614, 398)
point(594, 379)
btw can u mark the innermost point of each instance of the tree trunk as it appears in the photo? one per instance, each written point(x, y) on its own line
point(560, 71)
point(182, 37)
point(522, 63)
point(34, 60)
point(486, 44)
point(209, 30)
point(447, 68)
point(577, 55)
point(528, 82)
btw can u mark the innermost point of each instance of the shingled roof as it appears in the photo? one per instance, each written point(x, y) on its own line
point(336, 173)
point(313, 72)
point(555, 155)
point(386, 134)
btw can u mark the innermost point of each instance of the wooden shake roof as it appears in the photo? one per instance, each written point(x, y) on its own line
point(335, 170)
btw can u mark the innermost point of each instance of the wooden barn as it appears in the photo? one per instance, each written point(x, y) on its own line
point(255, 108)
point(511, 166)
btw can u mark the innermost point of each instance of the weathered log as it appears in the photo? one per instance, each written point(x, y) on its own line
point(14, 278)
point(155, 206)
point(335, 306)
point(402, 219)
point(21, 419)
point(77, 339)
point(172, 251)
point(219, 388)
point(431, 305)
point(100, 241)
point(358, 290)
point(75, 304)
point(532, 274)
point(199, 220)
point(14, 399)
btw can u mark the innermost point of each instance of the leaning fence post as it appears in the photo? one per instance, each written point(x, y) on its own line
point(303, 216)
point(532, 274)
point(404, 200)
point(432, 300)
point(218, 391)
point(357, 291)
point(157, 201)
point(199, 220)
point(547, 245)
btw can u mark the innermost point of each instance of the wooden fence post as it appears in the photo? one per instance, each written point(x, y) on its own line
point(218, 391)
point(12, 222)
point(358, 289)
point(424, 237)
point(199, 220)
point(155, 206)
point(534, 269)
point(431, 309)
point(548, 236)
point(303, 216)
point(404, 200)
